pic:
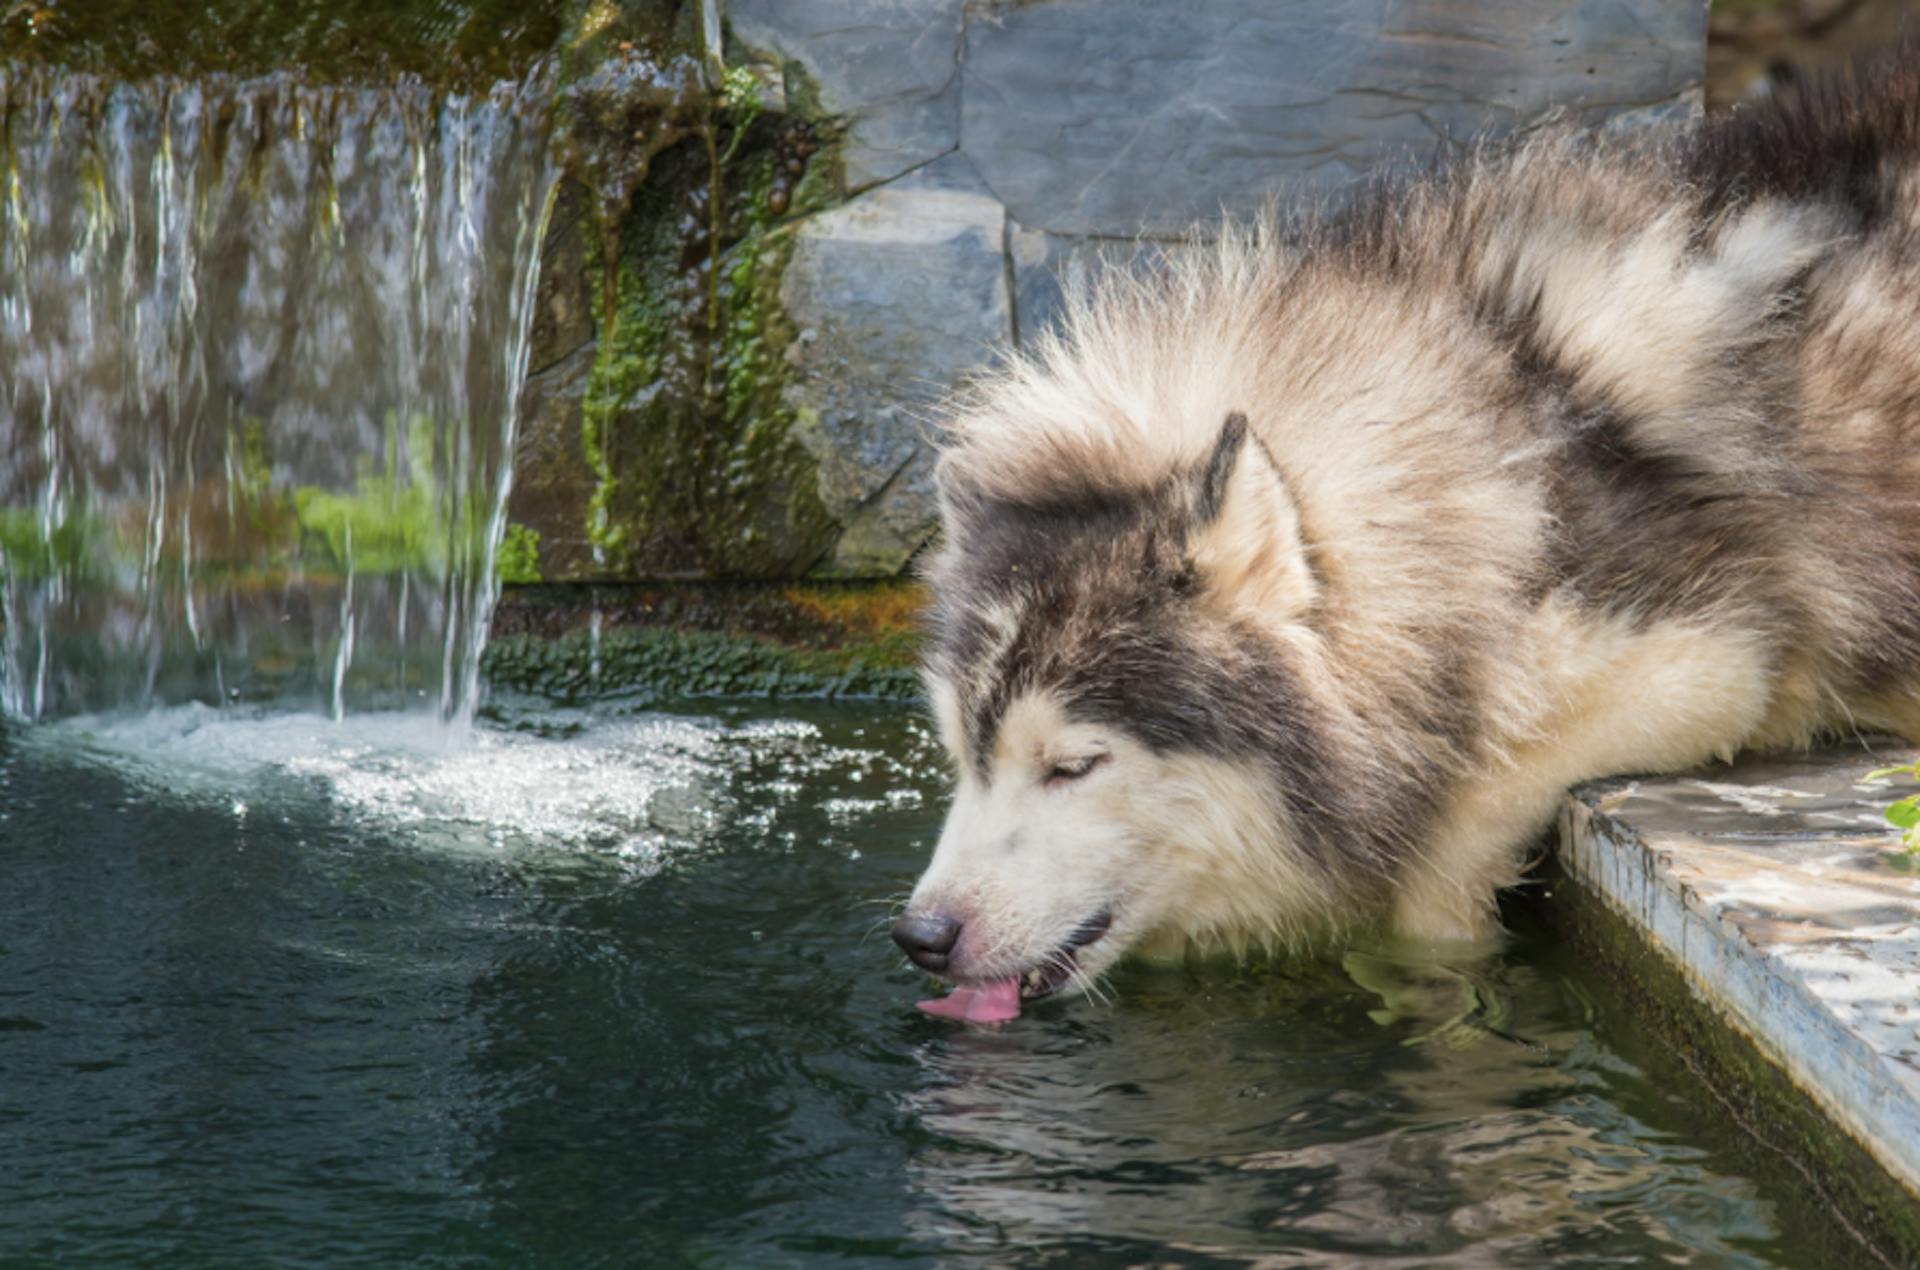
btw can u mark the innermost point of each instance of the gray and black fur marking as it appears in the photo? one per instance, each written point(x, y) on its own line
point(1117, 565)
point(1839, 137)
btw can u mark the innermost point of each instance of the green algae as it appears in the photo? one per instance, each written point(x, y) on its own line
point(647, 666)
point(30, 552)
point(518, 560)
point(684, 424)
point(662, 642)
point(453, 43)
point(400, 515)
point(383, 526)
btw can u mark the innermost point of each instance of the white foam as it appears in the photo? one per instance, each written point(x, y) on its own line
point(632, 785)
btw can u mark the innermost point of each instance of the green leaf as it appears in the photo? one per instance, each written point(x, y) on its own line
point(1881, 773)
point(1906, 813)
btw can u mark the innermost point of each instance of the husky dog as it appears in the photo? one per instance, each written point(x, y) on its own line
point(1283, 593)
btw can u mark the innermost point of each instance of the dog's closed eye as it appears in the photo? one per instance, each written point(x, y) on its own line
point(1072, 769)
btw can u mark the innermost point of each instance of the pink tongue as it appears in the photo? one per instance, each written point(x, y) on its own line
point(994, 1002)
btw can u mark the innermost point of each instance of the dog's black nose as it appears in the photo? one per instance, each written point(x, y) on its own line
point(926, 938)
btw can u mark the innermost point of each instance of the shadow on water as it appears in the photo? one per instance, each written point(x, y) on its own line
point(322, 997)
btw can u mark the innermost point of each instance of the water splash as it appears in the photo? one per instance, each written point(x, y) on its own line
point(263, 344)
point(637, 786)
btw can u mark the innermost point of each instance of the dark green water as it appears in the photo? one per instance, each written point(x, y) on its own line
point(612, 991)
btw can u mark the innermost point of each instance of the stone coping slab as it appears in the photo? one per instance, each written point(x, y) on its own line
point(1777, 889)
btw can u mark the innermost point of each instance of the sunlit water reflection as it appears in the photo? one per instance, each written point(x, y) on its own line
point(612, 989)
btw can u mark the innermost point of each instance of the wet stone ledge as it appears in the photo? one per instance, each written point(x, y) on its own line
point(1776, 898)
point(651, 643)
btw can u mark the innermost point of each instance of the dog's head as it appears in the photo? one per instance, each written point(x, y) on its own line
point(1117, 674)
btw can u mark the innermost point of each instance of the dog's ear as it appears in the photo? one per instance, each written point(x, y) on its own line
point(1245, 534)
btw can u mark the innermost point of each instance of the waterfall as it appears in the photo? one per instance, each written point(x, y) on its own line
point(260, 348)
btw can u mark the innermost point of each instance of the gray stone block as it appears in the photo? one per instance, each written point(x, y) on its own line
point(896, 294)
point(1047, 268)
point(896, 522)
point(1118, 117)
point(891, 68)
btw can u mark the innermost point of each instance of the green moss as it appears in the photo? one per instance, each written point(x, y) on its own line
point(883, 619)
point(601, 29)
point(29, 553)
point(382, 527)
point(399, 515)
point(685, 424)
point(459, 43)
point(664, 641)
point(662, 665)
point(518, 560)
point(395, 519)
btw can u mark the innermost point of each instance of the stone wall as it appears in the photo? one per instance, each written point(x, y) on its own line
point(920, 180)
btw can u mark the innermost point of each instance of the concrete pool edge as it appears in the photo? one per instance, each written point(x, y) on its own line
point(1795, 1076)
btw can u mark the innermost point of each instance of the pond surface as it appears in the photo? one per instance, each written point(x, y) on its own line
point(614, 990)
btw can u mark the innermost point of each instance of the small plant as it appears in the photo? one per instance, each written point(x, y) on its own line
point(741, 99)
point(1904, 814)
point(518, 559)
point(740, 95)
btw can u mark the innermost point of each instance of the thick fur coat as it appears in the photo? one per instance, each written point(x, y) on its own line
point(1285, 590)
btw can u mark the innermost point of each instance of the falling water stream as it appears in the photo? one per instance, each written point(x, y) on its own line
point(262, 343)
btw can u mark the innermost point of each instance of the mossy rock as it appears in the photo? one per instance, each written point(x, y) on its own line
point(671, 642)
point(458, 44)
point(659, 443)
